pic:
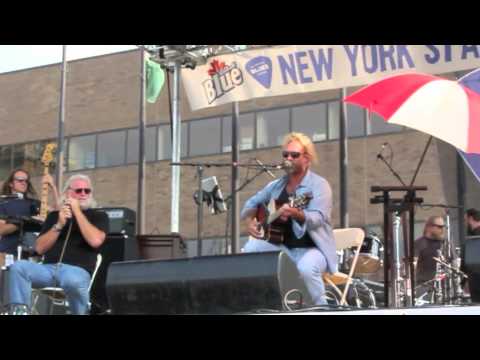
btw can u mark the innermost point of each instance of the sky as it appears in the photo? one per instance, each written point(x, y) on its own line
point(17, 57)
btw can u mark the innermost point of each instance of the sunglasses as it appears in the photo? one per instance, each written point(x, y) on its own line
point(439, 226)
point(293, 154)
point(80, 190)
point(20, 179)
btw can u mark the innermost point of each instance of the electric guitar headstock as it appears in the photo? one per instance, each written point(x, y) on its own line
point(47, 157)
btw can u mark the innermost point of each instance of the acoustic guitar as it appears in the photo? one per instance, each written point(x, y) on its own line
point(267, 217)
point(47, 158)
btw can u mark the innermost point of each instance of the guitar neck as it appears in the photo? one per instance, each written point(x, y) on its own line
point(44, 197)
point(274, 215)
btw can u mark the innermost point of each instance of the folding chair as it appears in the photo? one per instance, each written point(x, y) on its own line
point(344, 239)
point(57, 294)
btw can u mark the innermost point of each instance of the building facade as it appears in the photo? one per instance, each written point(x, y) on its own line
point(101, 130)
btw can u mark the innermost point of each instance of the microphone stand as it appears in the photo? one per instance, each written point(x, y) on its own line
point(200, 167)
point(263, 169)
point(380, 156)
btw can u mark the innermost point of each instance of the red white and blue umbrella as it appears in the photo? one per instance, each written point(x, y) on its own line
point(442, 108)
point(472, 81)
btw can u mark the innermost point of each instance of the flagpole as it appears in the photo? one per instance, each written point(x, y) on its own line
point(344, 221)
point(141, 150)
point(176, 150)
point(61, 122)
point(235, 206)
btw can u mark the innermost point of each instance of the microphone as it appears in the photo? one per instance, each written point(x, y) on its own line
point(272, 175)
point(286, 165)
point(379, 155)
point(12, 196)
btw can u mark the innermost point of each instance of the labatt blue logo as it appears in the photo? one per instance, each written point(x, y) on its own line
point(223, 79)
point(260, 68)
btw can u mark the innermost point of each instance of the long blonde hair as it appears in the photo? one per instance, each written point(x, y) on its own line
point(306, 143)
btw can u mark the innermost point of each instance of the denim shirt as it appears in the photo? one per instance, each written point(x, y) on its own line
point(317, 213)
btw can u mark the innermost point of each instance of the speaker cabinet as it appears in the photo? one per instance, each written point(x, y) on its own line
point(121, 220)
point(472, 254)
point(161, 247)
point(116, 247)
point(205, 285)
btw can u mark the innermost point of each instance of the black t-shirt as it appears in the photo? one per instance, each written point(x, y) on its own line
point(290, 240)
point(426, 249)
point(16, 208)
point(77, 252)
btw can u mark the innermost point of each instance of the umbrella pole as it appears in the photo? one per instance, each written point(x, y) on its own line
point(421, 160)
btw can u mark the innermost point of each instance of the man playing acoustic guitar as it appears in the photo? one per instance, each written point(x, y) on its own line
point(303, 232)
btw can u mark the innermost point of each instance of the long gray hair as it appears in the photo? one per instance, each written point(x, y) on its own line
point(92, 203)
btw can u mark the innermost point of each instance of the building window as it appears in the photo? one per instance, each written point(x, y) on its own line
point(164, 142)
point(81, 152)
point(272, 126)
point(205, 137)
point(311, 120)
point(333, 120)
point(5, 161)
point(355, 121)
point(376, 125)
point(29, 156)
point(247, 132)
point(150, 144)
point(185, 137)
point(111, 148)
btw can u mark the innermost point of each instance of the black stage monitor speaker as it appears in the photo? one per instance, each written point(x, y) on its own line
point(472, 254)
point(206, 285)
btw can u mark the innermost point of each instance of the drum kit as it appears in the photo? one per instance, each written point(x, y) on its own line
point(367, 287)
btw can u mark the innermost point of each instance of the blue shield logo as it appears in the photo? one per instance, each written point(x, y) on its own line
point(260, 68)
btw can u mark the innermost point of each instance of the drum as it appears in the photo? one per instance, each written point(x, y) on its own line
point(369, 259)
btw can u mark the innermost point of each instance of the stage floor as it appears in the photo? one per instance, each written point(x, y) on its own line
point(426, 310)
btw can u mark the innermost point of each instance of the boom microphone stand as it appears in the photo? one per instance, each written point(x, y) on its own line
point(396, 207)
point(200, 167)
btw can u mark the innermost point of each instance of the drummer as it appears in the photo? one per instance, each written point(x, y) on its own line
point(427, 247)
point(26, 204)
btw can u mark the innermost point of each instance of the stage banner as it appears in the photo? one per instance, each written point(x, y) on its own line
point(472, 81)
point(293, 69)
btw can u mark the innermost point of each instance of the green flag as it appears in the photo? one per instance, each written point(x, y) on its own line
point(155, 80)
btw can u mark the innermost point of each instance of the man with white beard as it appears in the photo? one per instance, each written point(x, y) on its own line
point(69, 241)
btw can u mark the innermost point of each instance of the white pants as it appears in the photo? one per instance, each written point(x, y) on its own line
point(310, 263)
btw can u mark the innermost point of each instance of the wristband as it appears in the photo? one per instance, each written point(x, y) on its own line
point(57, 227)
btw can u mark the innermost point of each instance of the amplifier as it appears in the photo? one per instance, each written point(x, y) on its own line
point(121, 220)
point(162, 247)
point(472, 254)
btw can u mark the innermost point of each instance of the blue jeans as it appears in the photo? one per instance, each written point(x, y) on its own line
point(73, 280)
point(310, 263)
